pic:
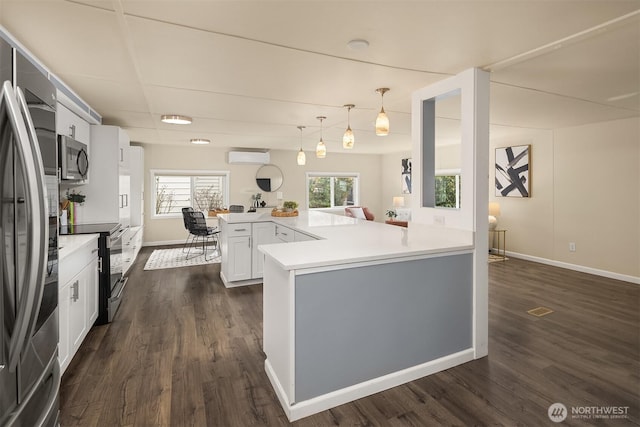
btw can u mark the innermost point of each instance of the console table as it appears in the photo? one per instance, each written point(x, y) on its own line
point(501, 254)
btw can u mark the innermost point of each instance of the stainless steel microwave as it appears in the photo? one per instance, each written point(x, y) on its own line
point(74, 159)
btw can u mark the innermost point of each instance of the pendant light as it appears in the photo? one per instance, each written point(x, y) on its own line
point(348, 138)
point(382, 121)
point(302, 158)
point(321, 149)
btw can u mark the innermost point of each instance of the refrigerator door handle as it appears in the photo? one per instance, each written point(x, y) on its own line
point(27, 297)
point(39, 254)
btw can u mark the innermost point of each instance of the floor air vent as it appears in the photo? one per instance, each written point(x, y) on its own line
point(540, 311)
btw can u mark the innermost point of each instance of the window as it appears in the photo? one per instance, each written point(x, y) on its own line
point(447, 190)
point(330, 190)
point(174, 190)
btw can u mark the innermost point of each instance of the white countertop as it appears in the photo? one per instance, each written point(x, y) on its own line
point(71, 243)
point(345, 240)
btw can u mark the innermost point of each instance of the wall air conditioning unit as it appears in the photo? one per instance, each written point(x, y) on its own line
point(248, 157)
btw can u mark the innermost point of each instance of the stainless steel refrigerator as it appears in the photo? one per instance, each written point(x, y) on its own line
point(29, 370)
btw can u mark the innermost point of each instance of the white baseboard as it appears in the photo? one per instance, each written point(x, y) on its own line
point(575, 267)
point(330, 400)
point(164, 243)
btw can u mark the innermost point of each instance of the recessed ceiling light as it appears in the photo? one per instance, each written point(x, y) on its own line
point(200, 141)
point(175, 119)
point(358, 44)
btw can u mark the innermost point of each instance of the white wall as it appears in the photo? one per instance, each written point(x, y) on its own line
point(585, 188)
point(242, 180)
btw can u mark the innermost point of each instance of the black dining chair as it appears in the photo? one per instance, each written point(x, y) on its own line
point(199, 229)
point(186, 219)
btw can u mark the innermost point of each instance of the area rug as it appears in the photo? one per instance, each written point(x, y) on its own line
point(175, 257)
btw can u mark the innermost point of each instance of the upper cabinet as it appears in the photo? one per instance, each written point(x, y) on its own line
point(70, 124)
point(107, 194)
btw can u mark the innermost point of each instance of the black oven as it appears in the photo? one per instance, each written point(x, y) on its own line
point(110, 281)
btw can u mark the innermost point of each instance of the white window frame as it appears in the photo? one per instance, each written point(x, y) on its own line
point(183, 173)
point(356, 189)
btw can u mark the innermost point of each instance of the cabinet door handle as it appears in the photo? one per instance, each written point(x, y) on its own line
point(249, 241)
point(239, 229)
point(76, 291)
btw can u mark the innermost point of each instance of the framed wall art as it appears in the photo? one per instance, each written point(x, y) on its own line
point(513, 171)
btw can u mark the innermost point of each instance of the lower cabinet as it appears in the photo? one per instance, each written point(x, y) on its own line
point(262, 233)
point(241, 259)
point(131, 244)
point(77, 300)
point(242, 262)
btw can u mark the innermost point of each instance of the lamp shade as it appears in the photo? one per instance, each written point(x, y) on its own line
point(398, 202)
point(494, 209)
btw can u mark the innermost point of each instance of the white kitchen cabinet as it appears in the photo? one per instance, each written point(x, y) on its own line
point(136, 168)
point(284, 234)
point(77, 296)
point(302, 237)
point(261, 233)
point(131, 244)
point(70, 124)
point(239, 258)
point(105, 195)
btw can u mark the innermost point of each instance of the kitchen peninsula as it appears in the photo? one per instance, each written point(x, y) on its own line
point(365, 307)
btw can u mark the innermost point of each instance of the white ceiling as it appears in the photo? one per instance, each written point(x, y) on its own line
point(249, 72)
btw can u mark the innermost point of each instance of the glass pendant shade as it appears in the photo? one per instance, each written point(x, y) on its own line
point(302, 158)
point(382, 124)
point(382, 121)
point(348, 139)
point(321, 150)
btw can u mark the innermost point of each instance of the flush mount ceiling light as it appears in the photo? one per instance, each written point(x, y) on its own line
point(321, 149)
point(302, 158)
point(358, 44)
point(175, 119)
point(382, 121)
point(200, 141)
point(348, 139)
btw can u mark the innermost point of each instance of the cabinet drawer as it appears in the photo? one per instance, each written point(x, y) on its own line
point(72, 264)
point(284, 234)
point(239, 230)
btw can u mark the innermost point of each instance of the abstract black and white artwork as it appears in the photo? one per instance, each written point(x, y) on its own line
point(406, 176)
point(513, 170)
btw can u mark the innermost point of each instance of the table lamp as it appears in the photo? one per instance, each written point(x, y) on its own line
point(398, 202)
point(494, 211)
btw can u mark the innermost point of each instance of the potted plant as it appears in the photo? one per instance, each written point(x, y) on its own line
point(289, 205)
point(391, 213)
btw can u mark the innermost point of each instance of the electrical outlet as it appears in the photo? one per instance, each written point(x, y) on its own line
point(438, 219)
point(572, 247)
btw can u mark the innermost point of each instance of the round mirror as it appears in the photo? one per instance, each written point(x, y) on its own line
point(269, 178)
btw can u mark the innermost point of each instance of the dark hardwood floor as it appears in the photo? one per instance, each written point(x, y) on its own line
point(185, 351)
